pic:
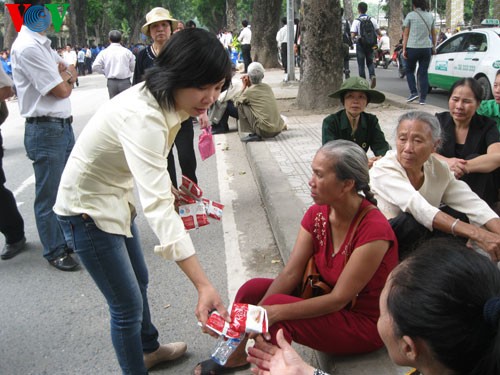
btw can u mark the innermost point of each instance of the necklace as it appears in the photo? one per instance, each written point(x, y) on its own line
point(155, 52)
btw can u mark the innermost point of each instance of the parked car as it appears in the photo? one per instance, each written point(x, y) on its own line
point(472, 53)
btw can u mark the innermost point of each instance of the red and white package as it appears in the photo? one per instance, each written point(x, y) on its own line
point(214, 209)
point(249, 318)
point(193, 215)
point(244, 318)
point(190, 188)
point(217, 324)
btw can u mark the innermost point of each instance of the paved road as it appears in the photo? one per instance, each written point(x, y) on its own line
point(388, 80)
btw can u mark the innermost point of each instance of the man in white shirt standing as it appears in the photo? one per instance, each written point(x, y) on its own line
point(245, 38)
point(70, 58)
point(117, 63)
point(282, 39)
point(44, 83)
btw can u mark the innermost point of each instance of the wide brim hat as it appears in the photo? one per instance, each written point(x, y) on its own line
point(358, 84)
point(156, 15)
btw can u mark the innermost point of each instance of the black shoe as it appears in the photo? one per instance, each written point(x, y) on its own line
point(217, 130)
point(64, 263)
point(10, 250)
point(251, 138)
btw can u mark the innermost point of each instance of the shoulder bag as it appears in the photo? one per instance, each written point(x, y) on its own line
point(312, 285)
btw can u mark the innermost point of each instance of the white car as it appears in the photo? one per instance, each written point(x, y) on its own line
point(473, 53)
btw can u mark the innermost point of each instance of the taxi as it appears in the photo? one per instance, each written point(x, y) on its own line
point(472, 53)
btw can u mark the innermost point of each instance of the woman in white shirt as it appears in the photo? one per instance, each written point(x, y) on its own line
point(410, 185)
point(125, 143)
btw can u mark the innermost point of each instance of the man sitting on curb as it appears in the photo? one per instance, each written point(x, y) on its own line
point(257, 107)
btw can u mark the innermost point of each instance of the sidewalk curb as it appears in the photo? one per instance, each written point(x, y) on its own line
point(284, 209)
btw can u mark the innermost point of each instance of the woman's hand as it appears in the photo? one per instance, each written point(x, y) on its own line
point(373, 160)
point(457, 166)
point(489, 242)
point(209, 300)
point(277, 360)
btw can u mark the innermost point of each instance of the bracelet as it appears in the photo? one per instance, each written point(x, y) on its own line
point(317, 371)
point(453, 227)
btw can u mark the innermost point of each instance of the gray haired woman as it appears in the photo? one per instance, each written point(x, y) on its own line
point(257, 107)
point(411, 183)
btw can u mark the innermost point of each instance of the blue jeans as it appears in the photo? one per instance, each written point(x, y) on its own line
point(362, 55)
point(48, 145)
point(116, 264)
point(423, 57)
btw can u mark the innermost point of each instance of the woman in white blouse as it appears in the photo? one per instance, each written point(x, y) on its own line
point(125, 143)
point(411, 184)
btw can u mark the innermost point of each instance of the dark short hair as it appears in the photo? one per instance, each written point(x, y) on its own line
point(498, 73)
point(422, 4)
point(115, 36)
point(438, 295)
point(362, 7)
point(244, 23)
point(191, 58)
point(284, 21)
point(189, 24)
point(474, 85)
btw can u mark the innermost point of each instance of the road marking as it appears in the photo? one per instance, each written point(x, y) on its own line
point(26, 183)
point(236, 273)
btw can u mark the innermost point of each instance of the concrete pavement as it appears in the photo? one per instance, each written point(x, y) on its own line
point(281, 167)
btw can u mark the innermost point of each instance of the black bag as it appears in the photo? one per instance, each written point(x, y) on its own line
point(367, 34)
point(346, 34)
point(4, 111)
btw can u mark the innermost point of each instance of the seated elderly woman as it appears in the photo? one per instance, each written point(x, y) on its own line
point(411, 184)
point(354, 249)
point(471, 145)
point(352, 123)
point(430, 299)
point(257, 107)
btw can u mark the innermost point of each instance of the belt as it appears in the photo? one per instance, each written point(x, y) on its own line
point(57, 120)
point(119, 79)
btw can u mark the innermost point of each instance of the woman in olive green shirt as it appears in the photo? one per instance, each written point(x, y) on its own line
point(352, 123)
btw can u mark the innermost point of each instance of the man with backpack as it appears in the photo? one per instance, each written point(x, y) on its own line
point(365, 30)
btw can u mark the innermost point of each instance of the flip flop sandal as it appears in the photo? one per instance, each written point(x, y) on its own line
point(209, 367)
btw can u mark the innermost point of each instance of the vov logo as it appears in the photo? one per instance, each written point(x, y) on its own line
point(37, 18)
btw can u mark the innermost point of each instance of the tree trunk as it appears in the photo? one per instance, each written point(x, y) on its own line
point(265, 25)
point(322, 63)
point(480, 11)
point(77, 10)
point(348, 11)
point(496, 8)
point(231, 15)
point(395, 21)
point(10, 32)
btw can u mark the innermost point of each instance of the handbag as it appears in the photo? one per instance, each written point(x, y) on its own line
point(206, 143)
point(4, 112)
point(216, 112)
point(312, 285)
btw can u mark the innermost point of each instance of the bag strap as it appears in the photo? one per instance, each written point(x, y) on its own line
point(360, 217)
point(425, 23)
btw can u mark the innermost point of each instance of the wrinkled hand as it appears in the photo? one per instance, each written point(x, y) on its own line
point(209, 300)
point(489, 242)
point(246, 81)
point(277, 360)
point(203, 120)
point(458, 167)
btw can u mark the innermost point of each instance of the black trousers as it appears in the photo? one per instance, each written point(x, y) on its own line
point(232, 111)
point(184, 142)
point(247, 58)
point(11, 222)
point(284, 56)
point(410, 233)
